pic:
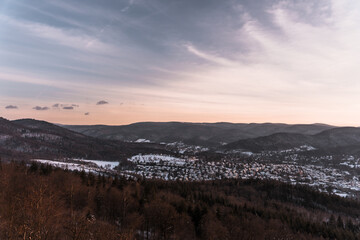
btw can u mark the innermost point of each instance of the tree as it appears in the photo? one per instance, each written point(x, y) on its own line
point(340, 223)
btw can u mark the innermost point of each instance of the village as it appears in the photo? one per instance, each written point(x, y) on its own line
point(331, 174)
point(327, 179)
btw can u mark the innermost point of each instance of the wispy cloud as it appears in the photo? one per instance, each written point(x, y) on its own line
point(65, 106)
point(209, 57)
point(11, 107)
point(61, 36)
point(102, 102)
point(38, 108)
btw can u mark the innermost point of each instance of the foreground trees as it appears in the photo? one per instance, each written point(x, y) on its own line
point(39, 202)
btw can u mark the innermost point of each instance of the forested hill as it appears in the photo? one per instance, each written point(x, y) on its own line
point(343, 139)
point(29, 138)
point(203, 134)
point(39, 202)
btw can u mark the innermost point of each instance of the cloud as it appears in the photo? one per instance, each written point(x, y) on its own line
point(38, 108)
point(208, 57)
point(65, 106)
point(60, 36)
point(102, 102)
point(11, 107)
point(87, 114)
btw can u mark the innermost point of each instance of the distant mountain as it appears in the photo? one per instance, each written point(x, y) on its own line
point(277, 141)
point(344, 139)
point(38, 139)
point(204, 134)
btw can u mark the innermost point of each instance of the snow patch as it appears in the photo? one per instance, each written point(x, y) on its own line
point(153, 158)
point(142, 140)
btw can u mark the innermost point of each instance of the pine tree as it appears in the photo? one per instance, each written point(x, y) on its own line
point(340, 223)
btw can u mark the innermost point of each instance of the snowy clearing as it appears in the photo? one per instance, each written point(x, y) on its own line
point(153, 158)
point(80, 164)
point(99, 163)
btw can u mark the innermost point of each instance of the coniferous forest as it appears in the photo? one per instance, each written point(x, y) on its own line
point(41, 202)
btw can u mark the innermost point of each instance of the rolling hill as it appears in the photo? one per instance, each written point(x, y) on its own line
point(29, 138)
point(343, 139)
point(203, 134)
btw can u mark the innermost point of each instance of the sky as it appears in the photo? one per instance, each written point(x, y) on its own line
point(123, 61)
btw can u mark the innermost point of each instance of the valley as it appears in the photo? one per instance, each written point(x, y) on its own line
point(294, 172)
point(327, 160)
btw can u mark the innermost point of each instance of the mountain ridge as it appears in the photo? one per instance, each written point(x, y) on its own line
point(205, 134)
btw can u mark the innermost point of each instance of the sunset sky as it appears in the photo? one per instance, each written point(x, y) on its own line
point(118, 62)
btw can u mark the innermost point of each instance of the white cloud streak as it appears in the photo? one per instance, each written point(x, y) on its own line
point(70, 38)
point(303, 55)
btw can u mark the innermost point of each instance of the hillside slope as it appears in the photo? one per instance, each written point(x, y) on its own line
point(38, 139)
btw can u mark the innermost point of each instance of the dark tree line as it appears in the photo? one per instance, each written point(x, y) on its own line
point(39, 202)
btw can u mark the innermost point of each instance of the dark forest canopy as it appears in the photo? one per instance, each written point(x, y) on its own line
point(39, 202)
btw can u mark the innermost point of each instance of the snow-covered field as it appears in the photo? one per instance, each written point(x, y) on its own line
point(63, 165)
point(80, 164)
point(101, 164)
point(153, 158)
point(141, 140)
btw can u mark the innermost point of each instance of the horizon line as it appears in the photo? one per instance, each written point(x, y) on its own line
point(185, 122)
